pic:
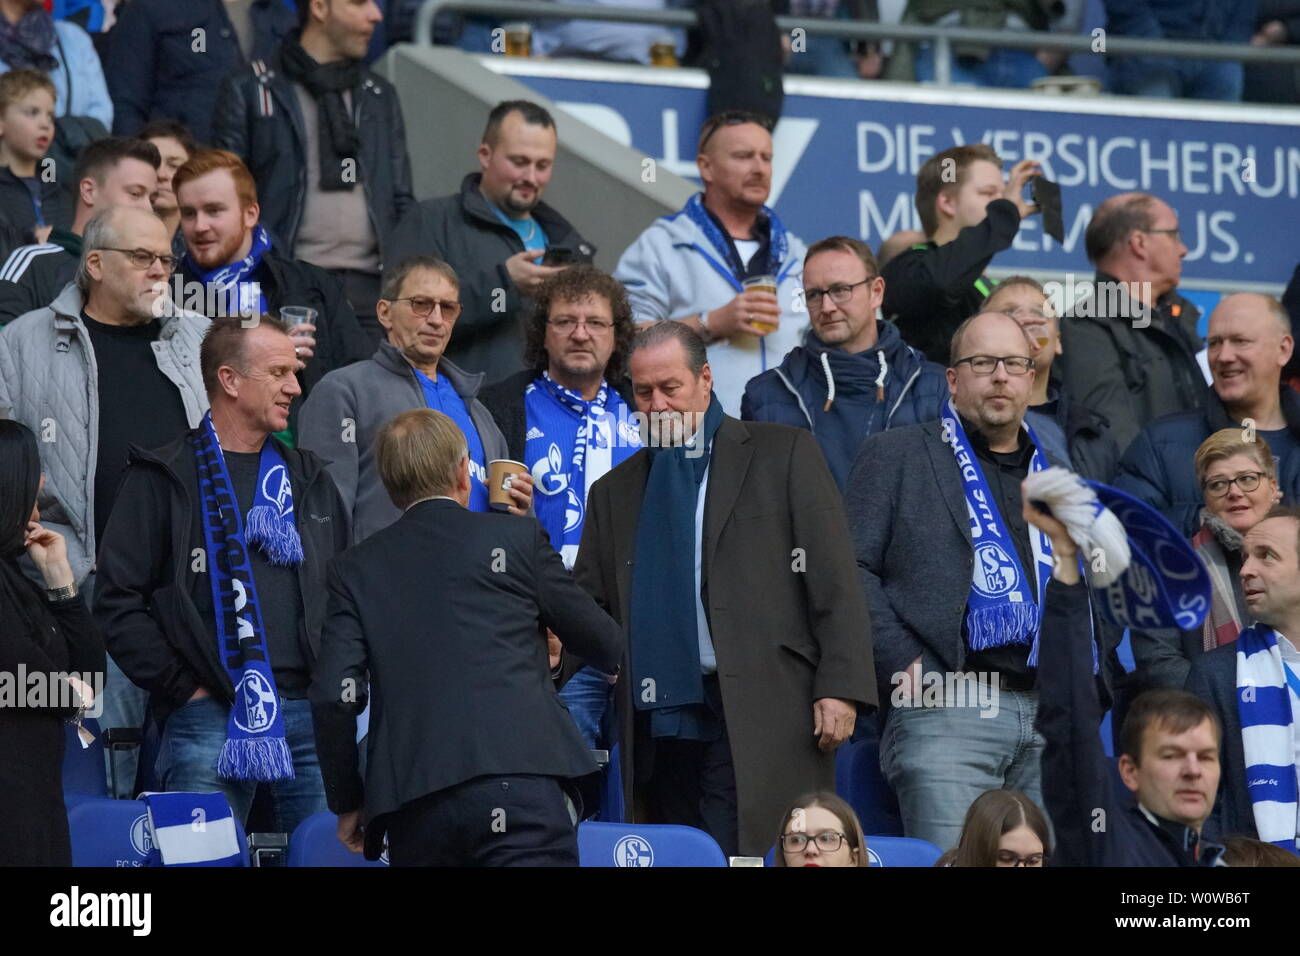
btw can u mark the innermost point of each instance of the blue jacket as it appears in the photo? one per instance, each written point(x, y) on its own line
point(795, 393)
point(1157, 467)
point(77, 73)
point(1225, 21)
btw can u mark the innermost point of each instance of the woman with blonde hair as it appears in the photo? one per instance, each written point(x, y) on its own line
point(1238, 480)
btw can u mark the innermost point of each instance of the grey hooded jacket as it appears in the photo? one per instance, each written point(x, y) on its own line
point(49, 381)
point(346, 409)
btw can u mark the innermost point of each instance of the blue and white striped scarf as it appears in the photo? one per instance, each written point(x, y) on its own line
point(1267, 725)
point(192, 829)
point(1004, 606)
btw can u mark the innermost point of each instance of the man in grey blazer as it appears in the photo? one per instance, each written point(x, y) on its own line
point(962, 694)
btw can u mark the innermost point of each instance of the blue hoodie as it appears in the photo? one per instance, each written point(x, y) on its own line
point(844, 398)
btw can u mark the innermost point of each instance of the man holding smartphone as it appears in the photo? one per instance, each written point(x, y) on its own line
point(498, 236)
point(969, 215)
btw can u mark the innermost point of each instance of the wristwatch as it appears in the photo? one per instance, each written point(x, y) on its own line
point(55, 595)
point(704, 326)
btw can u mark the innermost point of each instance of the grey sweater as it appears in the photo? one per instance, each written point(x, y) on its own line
point(346, 409)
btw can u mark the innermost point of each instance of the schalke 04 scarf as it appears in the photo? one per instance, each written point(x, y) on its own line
point(663, 629)
point(255, 747)
point(327, 82)
point(234, 280)
point(778, 246)
point(29, 42)
point(559, 418)
point(1264, 685)
point(1004, 604)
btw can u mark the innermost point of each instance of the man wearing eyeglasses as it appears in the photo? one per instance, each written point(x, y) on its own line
point(853, 376)
point(568, 416)
point(1069, 428)
point(1250, 342)
point(1130, 344)
point(419, 306)
point(955, 579)
point(694, 266)
point(99, 369)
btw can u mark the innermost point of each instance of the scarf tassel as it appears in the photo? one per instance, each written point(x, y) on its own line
point(277, 536)
point(1002, 624)
point(256, 758)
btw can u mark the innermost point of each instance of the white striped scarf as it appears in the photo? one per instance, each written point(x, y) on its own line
point(1264, 704)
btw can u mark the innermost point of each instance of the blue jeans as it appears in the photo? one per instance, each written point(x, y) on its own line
point(1165, 78)
point(586, 694)
point(1015, 69)
point(939, 759)
point(192, 740)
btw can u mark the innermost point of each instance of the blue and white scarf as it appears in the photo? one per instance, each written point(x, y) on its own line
point(233, 280)
point(1264, 685)
point(255, 747)
point(600, 437)
point(1003, 606)
point(191, 829)
point(778, 243)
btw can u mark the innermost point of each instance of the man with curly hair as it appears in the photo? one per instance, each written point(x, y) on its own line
point(568, 416)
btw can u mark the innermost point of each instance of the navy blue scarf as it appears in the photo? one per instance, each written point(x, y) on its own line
point(255, 747)
point(234, 280)
point(778, 245)
point(664, 632)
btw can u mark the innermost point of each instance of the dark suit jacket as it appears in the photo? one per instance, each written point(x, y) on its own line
point(785, 611)
point(439, 615)
point(1213, 678)
point(912, 535)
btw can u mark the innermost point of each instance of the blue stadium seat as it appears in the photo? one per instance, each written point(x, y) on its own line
point(901, 851)
point(637, 844)
point(315, 843)
point(83, 768)
point(115, 832)
point(858, 779)
point(889, 851)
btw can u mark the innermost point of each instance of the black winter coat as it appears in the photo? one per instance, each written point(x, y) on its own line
point(462, 230)
point(259, 117)
point(155, 609)
point(166, 59)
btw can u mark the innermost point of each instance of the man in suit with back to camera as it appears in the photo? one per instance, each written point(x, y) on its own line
point(472, 758)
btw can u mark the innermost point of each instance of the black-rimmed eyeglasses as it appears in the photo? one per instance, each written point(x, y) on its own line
point(986, 364)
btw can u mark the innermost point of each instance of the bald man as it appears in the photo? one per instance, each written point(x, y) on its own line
point(693, 266)
point(1249, 343)
point(962, 695)
point(1129, 347)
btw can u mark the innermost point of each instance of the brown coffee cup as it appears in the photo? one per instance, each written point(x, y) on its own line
point(499, 469)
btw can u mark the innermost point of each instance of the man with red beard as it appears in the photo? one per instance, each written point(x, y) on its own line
point(230, 267)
